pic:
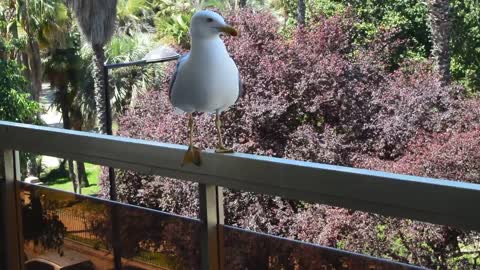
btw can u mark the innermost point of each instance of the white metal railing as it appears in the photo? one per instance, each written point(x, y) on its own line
point(424, 199)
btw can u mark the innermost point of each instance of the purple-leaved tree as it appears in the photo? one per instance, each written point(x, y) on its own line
point(316, 96)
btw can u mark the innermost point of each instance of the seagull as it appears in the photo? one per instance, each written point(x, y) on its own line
point(206, 79)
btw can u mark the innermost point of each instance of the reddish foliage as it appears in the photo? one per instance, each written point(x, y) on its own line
point(413, 99)
point(449, 155)
point(318, 97)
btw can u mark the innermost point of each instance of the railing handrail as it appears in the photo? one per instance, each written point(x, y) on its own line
point(425, 199)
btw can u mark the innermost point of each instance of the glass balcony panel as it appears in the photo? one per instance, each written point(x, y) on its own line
point(66, 229)
point(2, 224)
point(154, 238)
point(250, 250)
point(146, 190)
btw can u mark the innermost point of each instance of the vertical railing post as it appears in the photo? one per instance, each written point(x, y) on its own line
point(12, 212)
point(211, 214)
point(116, 241)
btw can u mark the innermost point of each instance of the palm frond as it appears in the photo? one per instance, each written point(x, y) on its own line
point(96, 19)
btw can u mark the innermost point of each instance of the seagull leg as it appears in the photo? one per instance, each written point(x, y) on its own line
point(193, 153)
point(220, 147)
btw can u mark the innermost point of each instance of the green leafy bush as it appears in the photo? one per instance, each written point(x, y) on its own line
point(320, 97)
point(15, 104)
point(465, 44)
point(172, 21)
point(134, 16)
point(410, 18)
point(125, 83)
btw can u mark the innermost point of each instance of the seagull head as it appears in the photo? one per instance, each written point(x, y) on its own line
point(209, 24)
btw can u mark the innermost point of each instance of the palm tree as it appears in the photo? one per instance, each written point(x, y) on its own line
point(41, 22)
point(57, 70)
point(134, 16)
point(301, 12)
point(441, 25)
point(128, 83)
point(62, 69)
point(96, 20)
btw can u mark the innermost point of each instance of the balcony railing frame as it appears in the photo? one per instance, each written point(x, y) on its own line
point(425, 199)
point(12, 212)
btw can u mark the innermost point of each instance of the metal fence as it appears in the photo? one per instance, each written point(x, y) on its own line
point(79, 230)
point(77, 226)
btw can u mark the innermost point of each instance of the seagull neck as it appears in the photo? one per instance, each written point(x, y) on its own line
point(201, 46)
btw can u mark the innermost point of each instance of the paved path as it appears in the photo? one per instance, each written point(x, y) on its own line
point(52, 118)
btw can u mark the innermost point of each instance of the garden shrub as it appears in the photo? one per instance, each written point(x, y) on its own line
point(319, 97)
point(15, 102)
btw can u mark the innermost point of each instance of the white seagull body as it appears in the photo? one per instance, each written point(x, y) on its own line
point(206, 79)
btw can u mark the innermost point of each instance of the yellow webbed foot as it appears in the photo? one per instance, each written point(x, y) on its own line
point(223, 150)
point(192, 156)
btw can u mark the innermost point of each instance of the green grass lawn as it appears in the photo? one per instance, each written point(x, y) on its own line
point(155, 258)
point(145, 256)
point(58, 178)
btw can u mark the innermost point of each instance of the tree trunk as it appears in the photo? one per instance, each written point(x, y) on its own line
point(35, 67)
point(243, 3)
point(73, 177)
point(34, 61)
point(82, 174)
point(99, 76)
point(301, 13)
point(440, 26)
point(32, 166)
point(26, 70)
point(14, 54)
point(76, 121)
point(65, 107)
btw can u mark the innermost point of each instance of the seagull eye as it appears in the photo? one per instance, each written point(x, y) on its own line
point(209, 20)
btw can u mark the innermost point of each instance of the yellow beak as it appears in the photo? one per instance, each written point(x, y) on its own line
point(229, 30)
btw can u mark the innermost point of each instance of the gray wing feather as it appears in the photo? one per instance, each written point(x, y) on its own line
point(174, 76)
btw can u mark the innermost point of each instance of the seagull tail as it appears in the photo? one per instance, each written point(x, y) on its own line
point(177, 111)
